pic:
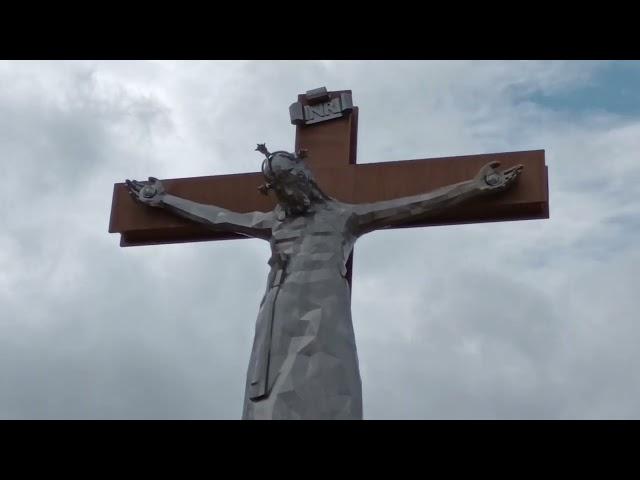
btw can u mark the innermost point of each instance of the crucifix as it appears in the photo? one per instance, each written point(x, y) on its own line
point(312, 205)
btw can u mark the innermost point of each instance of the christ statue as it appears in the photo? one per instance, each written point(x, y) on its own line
point(304, 362)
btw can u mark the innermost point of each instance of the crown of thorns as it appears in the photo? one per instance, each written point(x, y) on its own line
point(266, 163)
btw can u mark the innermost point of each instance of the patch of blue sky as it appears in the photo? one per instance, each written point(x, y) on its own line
point(614, 88)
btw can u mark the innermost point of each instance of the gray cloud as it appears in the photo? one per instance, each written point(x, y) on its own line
point(515, 320)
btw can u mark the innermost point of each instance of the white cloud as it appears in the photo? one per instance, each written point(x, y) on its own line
point(511, 320)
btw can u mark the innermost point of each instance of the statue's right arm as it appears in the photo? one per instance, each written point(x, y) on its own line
point(252, 224)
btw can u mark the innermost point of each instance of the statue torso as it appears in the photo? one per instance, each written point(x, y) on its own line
point(304, 324)
point(312, 246)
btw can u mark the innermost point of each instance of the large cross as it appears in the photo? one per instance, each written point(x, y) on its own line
point(330, 136)
point(304, 362)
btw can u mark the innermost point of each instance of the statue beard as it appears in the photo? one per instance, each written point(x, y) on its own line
point(295, 198)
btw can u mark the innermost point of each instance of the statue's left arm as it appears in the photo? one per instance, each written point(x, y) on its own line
point(373, 216)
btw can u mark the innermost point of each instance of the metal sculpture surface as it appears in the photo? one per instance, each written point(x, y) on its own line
point(304, 362)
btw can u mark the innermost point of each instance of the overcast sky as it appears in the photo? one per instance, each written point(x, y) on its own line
point(525, 320)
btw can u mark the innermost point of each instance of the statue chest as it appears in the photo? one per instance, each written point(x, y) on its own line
point(307, 235)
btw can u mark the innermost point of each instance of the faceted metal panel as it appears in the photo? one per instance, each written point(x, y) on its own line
point(296, 113)
point(317, 95)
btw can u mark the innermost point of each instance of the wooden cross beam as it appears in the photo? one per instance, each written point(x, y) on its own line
point(332, 156)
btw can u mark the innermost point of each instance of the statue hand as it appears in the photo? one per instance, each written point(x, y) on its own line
point(489, 179)
point(150, 193)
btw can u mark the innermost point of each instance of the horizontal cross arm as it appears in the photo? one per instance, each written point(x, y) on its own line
point(356, 184)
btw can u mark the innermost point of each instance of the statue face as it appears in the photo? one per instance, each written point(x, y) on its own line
point(289, 179)
point(281, 165)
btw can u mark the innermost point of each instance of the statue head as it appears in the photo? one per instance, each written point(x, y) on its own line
point(288, 176)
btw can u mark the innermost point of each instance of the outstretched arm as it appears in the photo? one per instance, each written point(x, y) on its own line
point(373, 216)
point(152, 193)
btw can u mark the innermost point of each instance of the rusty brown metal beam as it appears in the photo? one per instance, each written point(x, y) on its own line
point(140, 225)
